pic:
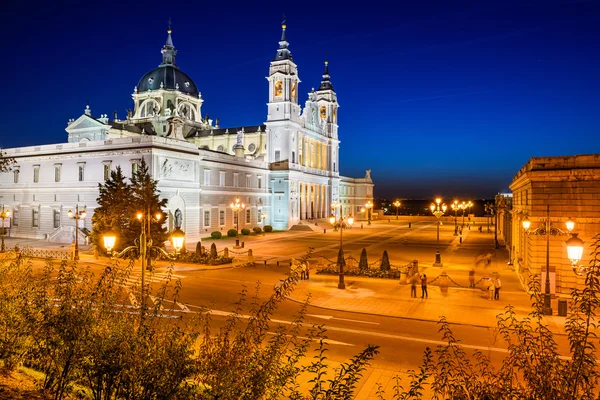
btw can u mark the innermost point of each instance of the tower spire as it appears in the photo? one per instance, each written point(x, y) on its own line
point(168, 51)
point(283, 53)
point(326, 82)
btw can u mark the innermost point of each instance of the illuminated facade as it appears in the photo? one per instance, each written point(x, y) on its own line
point(286, 168)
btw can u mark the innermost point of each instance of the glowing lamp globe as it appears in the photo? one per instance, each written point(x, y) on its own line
point(350, 220)
point(570, 224)
point(526, 223)
point(109, 238)
point(177, 238)
point(574, 249)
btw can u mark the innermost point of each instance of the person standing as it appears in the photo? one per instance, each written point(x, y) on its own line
point(497, 286)
point(303, 271)
point(307, 270)
point(424, 286)
point(491, 288)
point(413, 285)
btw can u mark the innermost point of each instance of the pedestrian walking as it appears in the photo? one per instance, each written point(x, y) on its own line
point(497, 286)
point(307, 270)
point(413, 285)
point(472, 278)
point(490, 289)
point(303, 271)
point(424, 286)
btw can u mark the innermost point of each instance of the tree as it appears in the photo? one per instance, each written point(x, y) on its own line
point(6, 163)
point(364, 263)
point(385, 262)
point(145, 199)
point(114, 211)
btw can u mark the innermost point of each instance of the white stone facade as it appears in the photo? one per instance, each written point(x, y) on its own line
point(286, 168)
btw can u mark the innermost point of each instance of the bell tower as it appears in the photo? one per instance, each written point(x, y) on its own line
point(283, 84)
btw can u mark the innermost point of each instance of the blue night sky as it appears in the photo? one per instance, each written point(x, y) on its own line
point(447, 98)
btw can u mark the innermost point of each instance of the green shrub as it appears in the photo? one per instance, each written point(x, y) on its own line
point(213, 251)
point(245, 231)
point(257, 229)
point(232, 233)
point(216, 235)
point(268, 228)
point(199, 248)
point(385, 262)
point(364, 263)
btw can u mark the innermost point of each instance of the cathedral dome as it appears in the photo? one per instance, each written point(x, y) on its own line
point(170, 77)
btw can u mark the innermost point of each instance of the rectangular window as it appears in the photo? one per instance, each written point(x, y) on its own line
point(247, 216)
point(16, 173)
point(236, 180)
point(248, 181)
point(260, 182)
point(221, 178)
point(35, 218)
point(56, 219)
point(221, 217)
point(57, 173)
point(277, 155)
point(134, 169)
point(80, 171)
point(207, 177)
point(293, 157)
point(15, 217)
point(206, 218)
point(258, 216)
point(106, 171)
point(36, 173)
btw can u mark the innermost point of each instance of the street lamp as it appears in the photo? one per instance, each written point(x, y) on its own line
point(236, 208)
point(438, 211)
point(397, 204)
point(489, 209)
point(340, 222)
point(547, 230)
point(455, 207)
point(469, 205)
point(144, 245)
point(3, 214)
point(369, 205)
point(77, 215)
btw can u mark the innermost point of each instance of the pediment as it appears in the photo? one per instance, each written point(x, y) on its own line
point(84, 122)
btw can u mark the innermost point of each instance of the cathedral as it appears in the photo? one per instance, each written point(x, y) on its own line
point(285, 170)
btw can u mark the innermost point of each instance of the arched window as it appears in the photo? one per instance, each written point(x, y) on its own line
point(149, 108)
point(220, 148)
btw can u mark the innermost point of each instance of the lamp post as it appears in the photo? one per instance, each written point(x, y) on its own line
point(340, 222)
point(489, 209)
point(547, 229)
point(78, 215)
point(469, 205)
point(397, 204)
point(455, 207)
point(236, 207)
point(368, 206)
point(144, 246)
point(438, 210)
point(3, 214)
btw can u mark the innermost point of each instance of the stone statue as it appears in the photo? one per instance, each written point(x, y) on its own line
point(178, 218)
point(129, 113)
point(368, 174)
point(240, 137)
point(115, 115)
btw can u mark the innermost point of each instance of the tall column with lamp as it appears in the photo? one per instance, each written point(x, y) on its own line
point(455, 207)
point(236, 208)
point(397, 204)
point(369, 206)
point(144, 247)
point(3, 214)
point(546, 229)
point(339, 222)
point(77, 216)
point(438, 210)
point(469, 205)
point(463, 207)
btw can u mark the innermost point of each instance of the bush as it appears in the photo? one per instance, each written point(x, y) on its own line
point(364, 263)
point(268, 228)
point(232, 233)
point(216, 235)
point(213, 251)
point(385, 262)
point(257, 229)
point(199, 248)
point(245, 231)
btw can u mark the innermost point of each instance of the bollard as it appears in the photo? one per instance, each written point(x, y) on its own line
point(444, 282)
point(324, 230)
point(243, 245)
point(409, 224)
point(226, 252)
point(461, 240)
point(250, 256)
point(472, 278)
point(265, 262)
point(278, 263)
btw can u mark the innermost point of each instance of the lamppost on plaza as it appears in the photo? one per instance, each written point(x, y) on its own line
point(455, 207)
point(236, 208)
point(77, 215)
point(547, 229)
point(397, 204)
point(438, 210)
point(463, 207)
point(3, 214)
point(340, 222)
point(144, 245)
point(369, 206)
point(469, 205)
point(489, 208)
